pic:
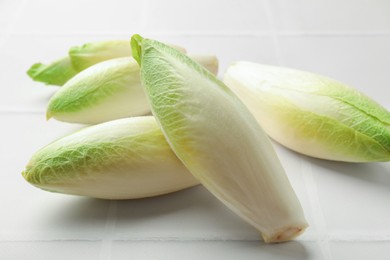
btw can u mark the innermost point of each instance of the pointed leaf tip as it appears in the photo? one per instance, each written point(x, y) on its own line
point(34, 70)
point(136, 42)
point(48, 115)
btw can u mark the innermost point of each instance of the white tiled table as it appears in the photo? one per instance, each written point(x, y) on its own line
point(347, 205)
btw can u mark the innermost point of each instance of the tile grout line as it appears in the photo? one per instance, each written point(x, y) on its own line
point(314, 200)
point(208, 34)
point(377, 237)
point(107, 240)
point(306, 172)
point(364, 237)
point(306, 169)
point(144, 31)
point(336, 33)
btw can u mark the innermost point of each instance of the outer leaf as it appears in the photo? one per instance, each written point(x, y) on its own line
point(218, 140)
point(80, 58)
point(121, 159)
point(55, 73)
point(312, 114)
point(92, 53)
point(106, 91)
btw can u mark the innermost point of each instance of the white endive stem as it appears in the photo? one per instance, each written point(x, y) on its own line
point(218, 140)
point(121, 159)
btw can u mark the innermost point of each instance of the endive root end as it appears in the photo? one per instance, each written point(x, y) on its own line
point(284, 235)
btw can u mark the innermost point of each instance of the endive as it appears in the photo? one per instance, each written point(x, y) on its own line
point(80, 57)
point(121, 159)
point(55, 73)
point(92, 53)
point(218, 140)
point(106, 91)
point(313, 114)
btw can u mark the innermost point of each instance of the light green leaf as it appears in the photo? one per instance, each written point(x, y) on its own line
point(106, 91)
point(92, 53)
point(80, 57)
point(312, 114)
point(219, 141)
point(120, 159)
point(56, 73)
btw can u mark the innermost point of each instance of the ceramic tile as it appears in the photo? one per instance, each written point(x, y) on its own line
point(331, 16)
point(8, 12)
point(45, 250)
point(33, 214)
point(207, 16)
point(360, 250)
point(73, 16)
point(3, 38)
point(353, 197)
point(214, 250)
point(190, 214)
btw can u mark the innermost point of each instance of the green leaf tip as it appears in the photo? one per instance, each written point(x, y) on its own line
point(136, 43)
point(56, 73)
point(34, 70)
point(38, 72)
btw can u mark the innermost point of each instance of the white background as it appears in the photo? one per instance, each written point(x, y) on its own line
point(347, 205)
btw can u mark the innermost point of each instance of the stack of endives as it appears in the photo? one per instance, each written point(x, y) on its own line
point(165, 122)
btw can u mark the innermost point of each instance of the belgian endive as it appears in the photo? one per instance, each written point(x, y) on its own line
point(56, 73)
point(218, 140)
point(80, 57)
point(89, 54)
point(313, 114)
point(121, 159)
point(106, 91)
